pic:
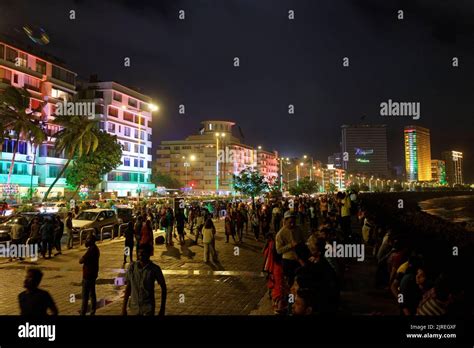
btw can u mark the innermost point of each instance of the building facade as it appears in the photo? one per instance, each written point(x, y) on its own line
point(127, 114)
point(454, 173)
point(48, 82)
point(417, 153)
point(438, 172)
point(333, 176)
point(206, 162)
point(364, 149)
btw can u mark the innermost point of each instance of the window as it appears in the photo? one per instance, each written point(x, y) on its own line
point(113, 111)
point(127, 131)
point(11, 55)
point(111, 127)
point(149, 124)
point(127, 116)
point(53, 171)
point(58, 94)
point(2, 51)
point(126, 146)
point(9, 145)
point(5, 74)
point(32, 82)
point(149, 164)
point(15, 78)
point(149, 137)
point(139, 120)
point(63, 75)
point(117, 97)
point(40, 66)
point(98, 94)
point(142, 135)
point(126, 161)
point(132, 102)
point(135, 132)
point(135, 162)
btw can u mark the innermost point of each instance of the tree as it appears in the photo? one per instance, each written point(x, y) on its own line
point(305, 185)
point(77, 137)
point(251, 183)
point(332, 187)
point(165, 180)
point(18, 118)
point(89, 169)
point(364, 187)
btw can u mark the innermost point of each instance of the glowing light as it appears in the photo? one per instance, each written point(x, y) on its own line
point(153, 107)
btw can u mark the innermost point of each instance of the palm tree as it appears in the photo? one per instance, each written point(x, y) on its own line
point(18, 120)
point(77, 137)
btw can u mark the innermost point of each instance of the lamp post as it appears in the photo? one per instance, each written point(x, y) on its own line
point(218, 135)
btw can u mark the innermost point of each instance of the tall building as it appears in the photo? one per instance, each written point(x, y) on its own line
point(336, 160)
point(127, 114)
point(364, 149)
point(206, 162)
point(334, 176)
point(438, 171)
point(453, 160)
point(48, 82)
point(417, 153)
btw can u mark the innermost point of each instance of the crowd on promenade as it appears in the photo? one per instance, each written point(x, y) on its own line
point(296, 233)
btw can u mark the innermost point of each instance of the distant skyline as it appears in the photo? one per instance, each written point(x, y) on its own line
point(282, 62)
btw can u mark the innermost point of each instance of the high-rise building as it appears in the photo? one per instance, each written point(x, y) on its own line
point(127, 114)
point(48, 82)
point(336, 160)
point(333, 176)
point(364, 149)
point(206, 162)
point(453, 160)
point(417, 153)
point(438, 171)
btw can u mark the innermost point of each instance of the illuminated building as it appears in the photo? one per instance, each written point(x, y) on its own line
point(453, 160)
point(335, 176)
point(127, 114)
point(364, 149)
point(336, 160)
point(206, 162)
point(417, 153)
point(48, 82)
point(438, 171)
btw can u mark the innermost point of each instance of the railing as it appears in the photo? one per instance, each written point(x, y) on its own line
point(104, 228)
point(119, 230)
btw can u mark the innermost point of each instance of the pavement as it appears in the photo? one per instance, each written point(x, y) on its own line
point(234, 286)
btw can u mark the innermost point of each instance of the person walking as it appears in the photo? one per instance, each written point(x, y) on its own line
point(254, 221)
point(180, 221)
point(90, 272)
point(69, 230)
point(35, 236)
point(140, 278)
point(58, 235)
point(200, 224)
point(35, 302)
point(229, 227)
point(169, 222)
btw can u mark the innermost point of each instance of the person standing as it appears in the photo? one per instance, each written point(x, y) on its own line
point(208, 234)
point(138, 231)
point(17, 235)
point(345, 203)
point(239, 224)
point(147, 235)
point(276, 215)
point(69, 230)
point(90, 272)
point(289, 236)
point(140, 278)
point(200, 225)
point(35, 302)
point(35, 236)
point(129, 233)
point(47, 237)
point(169, 222)
point(229, 227)
point(255, 224)
point(180, 221)
point(58, 234)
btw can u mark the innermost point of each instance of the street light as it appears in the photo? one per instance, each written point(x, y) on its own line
point(186, 165)
point(218, 135)
point(153, 107)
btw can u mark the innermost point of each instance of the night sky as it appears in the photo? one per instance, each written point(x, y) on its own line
point(282, 62)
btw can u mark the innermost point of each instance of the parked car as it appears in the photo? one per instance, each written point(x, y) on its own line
point(25, 219)
point(96, 219)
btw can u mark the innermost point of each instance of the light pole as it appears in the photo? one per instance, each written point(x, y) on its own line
point(310, 168)
point(186, 165)
point(218, 135)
